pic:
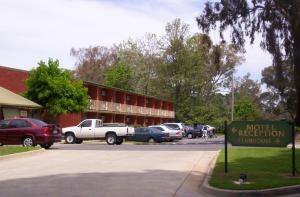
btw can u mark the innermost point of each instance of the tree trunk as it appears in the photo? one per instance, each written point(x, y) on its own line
point(296, 55)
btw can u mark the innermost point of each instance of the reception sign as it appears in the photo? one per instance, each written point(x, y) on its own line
point(260, 133)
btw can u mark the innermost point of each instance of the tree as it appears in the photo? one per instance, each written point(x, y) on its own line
point(142, 56)
point(118, 76)
point(55, 89)
point(277, 21)
point(192, 71)
point(93, 61)
point(245, 109)
point(280, 97)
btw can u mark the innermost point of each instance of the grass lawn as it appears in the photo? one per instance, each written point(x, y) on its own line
point(6, 150)
point(265, 168)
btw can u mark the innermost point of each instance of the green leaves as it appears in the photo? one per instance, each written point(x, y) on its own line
point(119, 76)
point(55, 89)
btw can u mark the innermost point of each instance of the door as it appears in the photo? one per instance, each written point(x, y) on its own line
point(17, 129)
point(86, 129)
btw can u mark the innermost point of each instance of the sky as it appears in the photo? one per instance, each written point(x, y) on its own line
point(35, 30)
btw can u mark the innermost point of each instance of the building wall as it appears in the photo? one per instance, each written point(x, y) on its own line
point(66, 120)
point(13, 79)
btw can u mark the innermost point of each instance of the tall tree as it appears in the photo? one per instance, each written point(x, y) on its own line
point(142, 56)
point(280, 97)
point(193, 70)
point(277, 21)
point(119, 76)
point(55, 89)
point(93, 61)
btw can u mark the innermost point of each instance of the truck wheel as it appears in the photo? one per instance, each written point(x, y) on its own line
point(70, 138)
point(111, 139)
point(119, 141)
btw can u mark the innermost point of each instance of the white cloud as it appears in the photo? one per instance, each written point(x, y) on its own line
point(34, 30)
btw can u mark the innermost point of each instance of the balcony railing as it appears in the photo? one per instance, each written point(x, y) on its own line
point(105, 106)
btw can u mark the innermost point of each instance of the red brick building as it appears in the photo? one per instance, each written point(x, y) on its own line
point(109, 104)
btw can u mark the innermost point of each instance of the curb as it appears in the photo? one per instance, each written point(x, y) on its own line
point(279, 191)
point(21, 154)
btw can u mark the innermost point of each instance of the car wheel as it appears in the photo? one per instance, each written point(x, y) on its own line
point(189, 136)
point(151, 140)
point(119, 141)
point(46, 146)
point(70, 138)
point(79, 141)
point(111, 139)
point(1, 144)
point(28, 141)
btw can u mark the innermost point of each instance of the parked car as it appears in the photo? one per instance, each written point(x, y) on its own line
point(191, 132)
point(149, 134)
point(28, 132)
point(174, 134)
point(93, 129)
point(176, 126)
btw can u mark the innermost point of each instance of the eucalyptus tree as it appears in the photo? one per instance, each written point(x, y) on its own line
point(277, 21)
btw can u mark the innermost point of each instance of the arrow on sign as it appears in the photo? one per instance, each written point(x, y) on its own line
point(234, 130)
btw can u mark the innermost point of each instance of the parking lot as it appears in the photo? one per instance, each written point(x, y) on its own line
point(97, 169)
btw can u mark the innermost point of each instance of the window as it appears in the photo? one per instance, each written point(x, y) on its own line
point(3, 124)
point(39, 122)
point(87, 123)
point(19, 124)
point(159, 128)
point(98, 123)
point(172, 126)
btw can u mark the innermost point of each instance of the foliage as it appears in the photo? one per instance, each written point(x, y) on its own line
point(55, 89)
point(118, 76)
point(92, 62)
point(277, 21)
point(187, 69)
point(245, 109)
point(280, 97)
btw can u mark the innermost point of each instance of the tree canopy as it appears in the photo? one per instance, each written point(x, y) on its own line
point(55, 89)
point(277, 21)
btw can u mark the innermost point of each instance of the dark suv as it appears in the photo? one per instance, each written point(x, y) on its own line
point(28, 132)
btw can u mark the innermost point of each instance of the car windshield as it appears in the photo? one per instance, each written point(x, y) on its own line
point(172, 126)
point(3, 124)
point(38, 122)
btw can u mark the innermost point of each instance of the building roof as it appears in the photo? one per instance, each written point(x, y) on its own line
point(8, 98)
point(99, 85)
point(126, 91)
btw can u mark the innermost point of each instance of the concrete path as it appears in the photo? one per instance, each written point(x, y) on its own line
point(102, 170)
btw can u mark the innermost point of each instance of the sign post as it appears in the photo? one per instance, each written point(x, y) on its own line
point(226, 161)
point(260, 134)
point(293, 150)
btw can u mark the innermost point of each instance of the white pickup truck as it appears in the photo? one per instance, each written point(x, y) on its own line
point(90, 129)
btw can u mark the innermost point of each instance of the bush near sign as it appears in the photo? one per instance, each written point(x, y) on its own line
point(260, 133)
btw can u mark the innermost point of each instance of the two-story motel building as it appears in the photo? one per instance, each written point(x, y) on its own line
point(107, 103)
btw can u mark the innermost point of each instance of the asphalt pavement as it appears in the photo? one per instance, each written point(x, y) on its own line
point(97, 169)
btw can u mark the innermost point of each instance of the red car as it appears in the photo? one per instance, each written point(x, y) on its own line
point(28, 132)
